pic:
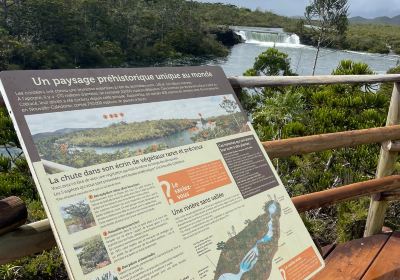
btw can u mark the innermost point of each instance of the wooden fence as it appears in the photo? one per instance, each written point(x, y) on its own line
point(17, 242)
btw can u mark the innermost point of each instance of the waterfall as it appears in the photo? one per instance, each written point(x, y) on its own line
point(266, 35)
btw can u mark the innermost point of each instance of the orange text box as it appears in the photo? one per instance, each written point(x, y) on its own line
point(189, 182)
point(301, 265)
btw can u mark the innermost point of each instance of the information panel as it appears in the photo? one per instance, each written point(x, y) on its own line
point(155, 173)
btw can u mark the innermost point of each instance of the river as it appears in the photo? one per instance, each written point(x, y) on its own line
point(253, 255)
point(257, 40)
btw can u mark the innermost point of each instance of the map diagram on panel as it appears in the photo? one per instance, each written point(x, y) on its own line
point(248, 255)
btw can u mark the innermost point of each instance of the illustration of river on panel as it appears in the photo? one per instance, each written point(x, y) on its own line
point(248, 255)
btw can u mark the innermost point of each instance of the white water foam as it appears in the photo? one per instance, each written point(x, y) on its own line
point(270, 38)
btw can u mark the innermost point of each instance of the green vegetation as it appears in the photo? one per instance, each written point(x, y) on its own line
point(15, 179)
point(45, 266)
point(377, 20)
point(78, 148)
point(125, 133)
point(272, 62)
point(93, 254)
point(107, 276)
point(87, 33)
point(77, 216)
point(238, 245)
point(61, 148)
point(224, 125)
point(87, 157)
point(327, 21)
point(232, 15)
point(373, 38)
point(298, 111)
point(332, 30)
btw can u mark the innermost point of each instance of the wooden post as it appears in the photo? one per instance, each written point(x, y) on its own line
point(13, 214)
point(238, 90)
point(393, 146)
point(387, 160)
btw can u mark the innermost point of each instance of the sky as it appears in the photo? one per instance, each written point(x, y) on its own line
point(364, 8)
point(91, 118)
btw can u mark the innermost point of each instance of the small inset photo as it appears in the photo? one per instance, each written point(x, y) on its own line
point(77, 215)
point(92, 254)
point(106, 276)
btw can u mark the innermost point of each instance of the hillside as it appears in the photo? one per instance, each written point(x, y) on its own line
point(90, 34)
point(361, 36)
point(233, 15)
point(378, 20)
point(124, 133)
point(57, 133)
point(374, 38)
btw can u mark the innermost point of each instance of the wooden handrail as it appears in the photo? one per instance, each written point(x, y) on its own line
point(344, 193)
point(322, 142)
point(53, 167)
point(268, 81)
point(36, 237)
point(13, 213)
point(25, 241)
point(238, 82)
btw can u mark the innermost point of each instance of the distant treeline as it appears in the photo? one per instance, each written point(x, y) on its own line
point(376, 38)
point(126, 133)
point(373, 38)
point(221, 14)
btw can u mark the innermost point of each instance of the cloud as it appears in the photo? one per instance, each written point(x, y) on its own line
point(371, 8)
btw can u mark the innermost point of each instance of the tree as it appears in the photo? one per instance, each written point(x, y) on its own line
point(6, 4)
point(221, 245)
point(348, 67)
point(272, 62)
point(277, 111)
point(93, 254)
point(230, 107)
point(80, 210)
point(328, 22)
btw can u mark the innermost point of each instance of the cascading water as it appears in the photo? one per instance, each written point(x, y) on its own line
point(293, 39)
point(266, 36)
point(301, 56)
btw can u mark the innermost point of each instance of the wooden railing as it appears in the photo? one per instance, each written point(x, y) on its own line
point(35, 237)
